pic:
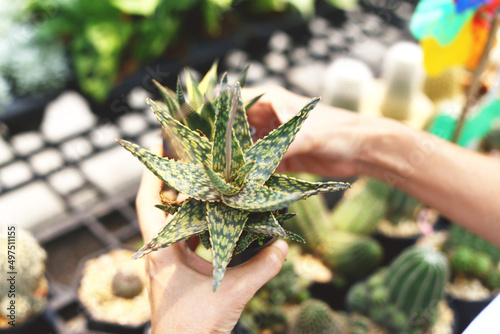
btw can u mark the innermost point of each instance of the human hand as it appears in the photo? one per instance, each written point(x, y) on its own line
point(180, 283)
point(332, 141)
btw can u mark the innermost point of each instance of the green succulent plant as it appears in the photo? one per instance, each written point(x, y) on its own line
point(316, 317)
point(229, 180)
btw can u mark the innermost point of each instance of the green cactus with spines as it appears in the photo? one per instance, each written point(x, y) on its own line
point(401, 207)
point(361, 212)
point(414, 282)
point(126, 283)
point(31, 289)
point(493, 279)
point(462, 260)
point(316, 317)
point(349, 254)
point(472, 256)
point(229, 180)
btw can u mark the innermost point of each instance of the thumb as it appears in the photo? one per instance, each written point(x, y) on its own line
point(257, 271)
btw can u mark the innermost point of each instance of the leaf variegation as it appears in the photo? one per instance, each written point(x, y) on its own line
point(189, 145)
point(241, 127)
point(294, 237)
point(269, 151)
point(242, 174)
point(306, 189)
point(189, 221)
point(225, 225)
point(220, 184)
point(194, 94)
point(189, 179)
point(242, 79)
point(254, 197)
point(245, 240)
point(265, 224)
point(205, 239)
point(209, 81)
point(168, 208)
point(170, 100)
point(219, 139)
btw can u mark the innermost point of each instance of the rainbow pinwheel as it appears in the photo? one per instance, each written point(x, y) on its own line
point(452, 32)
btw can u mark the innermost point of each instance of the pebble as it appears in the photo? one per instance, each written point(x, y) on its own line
point(66, 180)
point(318, 26)
point(15, 174)
point(280, 41)
point(276, 62)
point(132, 124)
point(46, 161)
point(319, 47)
point(76, 149)
point(236, 59)
point(27, 142)
point(308, 77)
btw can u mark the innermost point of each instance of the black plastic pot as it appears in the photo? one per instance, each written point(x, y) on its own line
point(393, 246)
point(467, 310)
point(248, 253)
point(99, 325)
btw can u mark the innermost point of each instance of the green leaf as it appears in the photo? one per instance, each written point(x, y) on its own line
point(250, 103)
point(170, 100)
point(241, 128)
point(265, 224)
point(221, 127)
point(189, 145)
point(187, 178)
point(168, 208)
point(145, 7)
point(245, 240)
point(241, 175)
point(209, 81)
point(283, 217)
point(190, 220)
point(220, 184)
point(195, 96)
point(225, 225)
point(257, 198)
point(293, 236)
point(205, 239)
point(306, 189)
point(242, 79)
point(268, 152)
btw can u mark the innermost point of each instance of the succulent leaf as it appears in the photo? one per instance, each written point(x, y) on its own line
point(205, 239)
point(170, 100)
point(169, 208)
point(219, 140)
point(220, 184)
point(187, 178)
point(294, 237)
point(189, 145)
point(282, 217)
point(225, 225)
point(268, 152)
point(265, 224)
point(242, 79)
point(190, 220)
point(254, 197)
point(245, 240)
point(241, 175)
point(194, 94)
point(288, 184)
point(250, 103)
point(241, 126)
point(209, 81)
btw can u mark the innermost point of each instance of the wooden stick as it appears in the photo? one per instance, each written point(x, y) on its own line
point(474, 86)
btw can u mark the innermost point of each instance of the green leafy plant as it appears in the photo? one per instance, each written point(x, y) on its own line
point(403, 297)
point(234, 197)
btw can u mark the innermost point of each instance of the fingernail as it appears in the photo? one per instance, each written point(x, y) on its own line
point(282, 246)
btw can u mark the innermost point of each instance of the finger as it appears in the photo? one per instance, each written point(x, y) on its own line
point(253, 274)
point(151, 219)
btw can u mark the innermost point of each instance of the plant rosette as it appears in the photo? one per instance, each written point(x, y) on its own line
point(112, 292)
point(233, 196)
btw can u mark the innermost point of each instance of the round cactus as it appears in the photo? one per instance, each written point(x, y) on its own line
point(351, 255)
point(126, 283)
point(462, 260)
point(493, 280)
point(401, 206)
point(316, 317)
point(30, 262)
point(358, 298)
point(416, 281)
point(482, 265)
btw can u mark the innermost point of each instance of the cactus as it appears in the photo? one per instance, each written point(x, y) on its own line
point(126, 283)
point(462, 260)
point(316, 317)
point(404, 295)
point(349, 254)
point(361, 212)
point(459, 236)
point(401, 207)
point(31, 285)
point(493, 280)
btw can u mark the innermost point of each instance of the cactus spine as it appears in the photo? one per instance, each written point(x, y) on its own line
point(403, 298)
point(316, 317)
point(361, 212)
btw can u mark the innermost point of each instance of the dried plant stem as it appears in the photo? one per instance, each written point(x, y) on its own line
point(229, 132)
point(474, 86)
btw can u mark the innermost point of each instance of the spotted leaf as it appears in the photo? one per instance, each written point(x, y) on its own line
point(189, 145)
point(168, 208)
point(190, 220)
point(265, 224)
point(268, 152)
point(245, 240)
point(194, 94)
point(242, 174)
point(257, 198)
point(225, 225)
point(241, 127)
point(306, 189)
point(187, 178)
point(205, 239)
point(209, 81)
point(220, 184)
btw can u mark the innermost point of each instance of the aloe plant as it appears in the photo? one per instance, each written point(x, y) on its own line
point(234, 197)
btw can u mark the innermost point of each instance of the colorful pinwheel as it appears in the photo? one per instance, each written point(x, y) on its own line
point(452, 32)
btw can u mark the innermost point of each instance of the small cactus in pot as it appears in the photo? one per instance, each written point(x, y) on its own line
point(403, 297)
point(233, 194)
